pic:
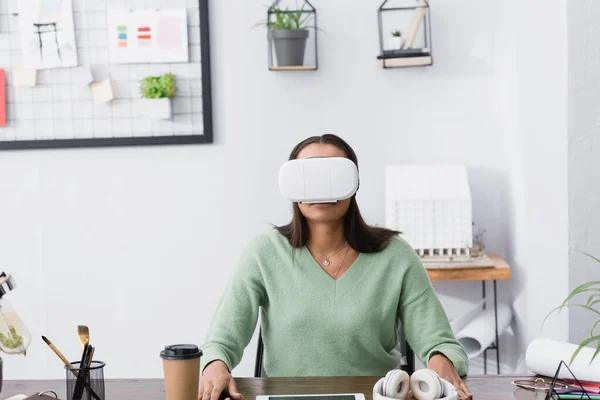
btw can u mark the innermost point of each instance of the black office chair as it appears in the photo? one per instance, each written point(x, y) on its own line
point(403, 347)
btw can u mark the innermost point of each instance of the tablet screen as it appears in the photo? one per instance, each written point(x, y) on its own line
point(318, 397)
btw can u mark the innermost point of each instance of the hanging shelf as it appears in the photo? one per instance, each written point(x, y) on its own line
point(292, 37)
point(404, 34)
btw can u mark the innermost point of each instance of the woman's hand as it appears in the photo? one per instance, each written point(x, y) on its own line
point(216, 379)
point(445, 369)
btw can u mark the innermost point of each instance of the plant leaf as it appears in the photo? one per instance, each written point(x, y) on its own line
point(582, 289)
point(593, 303)
point(594, 327)
point(582, 345)
point(596, 352)
point(156, 87)
point(592, 297)
point(591, 256)
point(571, 305)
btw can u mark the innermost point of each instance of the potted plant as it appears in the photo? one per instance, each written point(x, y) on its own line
point(592, 289)
point(157, 92)
point(289, 33)
point(396, 41)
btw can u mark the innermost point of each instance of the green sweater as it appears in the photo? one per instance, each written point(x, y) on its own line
point(313, 325)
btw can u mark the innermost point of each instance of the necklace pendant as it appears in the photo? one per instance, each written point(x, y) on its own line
point(326, 263)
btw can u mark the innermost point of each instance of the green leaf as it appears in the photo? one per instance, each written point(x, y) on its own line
point(288, 19)
point(570, 305)
point(589, 286)
point(596, 352)
point(158, 87)
point(582, 345)
point(592, 298)
point(594, 328)
point(590, 256)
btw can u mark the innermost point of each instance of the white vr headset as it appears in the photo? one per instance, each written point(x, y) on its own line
point(318, 180)
point(425, 384)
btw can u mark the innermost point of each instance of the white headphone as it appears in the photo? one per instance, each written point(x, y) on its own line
point(425, 384)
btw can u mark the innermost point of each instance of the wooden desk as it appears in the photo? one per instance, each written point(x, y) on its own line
point(495, 387)
point(500, 271)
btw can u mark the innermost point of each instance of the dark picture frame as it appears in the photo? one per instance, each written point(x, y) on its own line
point(207, 112)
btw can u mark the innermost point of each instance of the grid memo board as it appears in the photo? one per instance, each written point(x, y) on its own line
point(60, 112)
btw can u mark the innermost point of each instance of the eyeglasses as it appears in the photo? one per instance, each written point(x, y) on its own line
point(540, 384)
point(555, 389)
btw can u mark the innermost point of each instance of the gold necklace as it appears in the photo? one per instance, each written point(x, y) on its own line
point(343, 259)
point(326, 261)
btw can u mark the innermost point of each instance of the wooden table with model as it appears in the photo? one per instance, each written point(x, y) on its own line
point(488, 387)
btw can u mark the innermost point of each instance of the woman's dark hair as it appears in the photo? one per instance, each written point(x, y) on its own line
point(360, 236)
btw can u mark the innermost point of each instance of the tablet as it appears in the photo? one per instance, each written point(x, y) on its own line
point(341, 396)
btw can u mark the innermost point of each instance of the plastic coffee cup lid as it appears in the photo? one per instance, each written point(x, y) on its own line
point(181, 352)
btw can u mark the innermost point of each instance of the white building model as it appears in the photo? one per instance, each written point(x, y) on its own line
point(431, 205)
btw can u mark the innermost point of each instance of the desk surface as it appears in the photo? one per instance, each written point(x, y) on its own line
point(500, 271)
point(488, 387)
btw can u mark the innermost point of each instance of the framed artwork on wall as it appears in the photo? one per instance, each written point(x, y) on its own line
point(135, 76)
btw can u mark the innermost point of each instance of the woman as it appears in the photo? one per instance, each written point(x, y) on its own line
point(331, 290)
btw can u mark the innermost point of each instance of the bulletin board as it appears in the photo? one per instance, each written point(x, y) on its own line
point(88, 70)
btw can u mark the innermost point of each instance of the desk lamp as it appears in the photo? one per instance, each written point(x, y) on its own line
point(14, 335)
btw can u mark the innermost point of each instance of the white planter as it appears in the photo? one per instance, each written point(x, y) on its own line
point(155, 108)
point(396, 43)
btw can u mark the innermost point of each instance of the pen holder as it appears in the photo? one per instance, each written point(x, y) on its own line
point(85, 383)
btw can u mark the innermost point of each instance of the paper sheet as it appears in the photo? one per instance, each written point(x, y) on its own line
point(24, 77)
point(148, 35)
point(543, 356)
point(47, 33)
point(480, 332)
point(102, 91)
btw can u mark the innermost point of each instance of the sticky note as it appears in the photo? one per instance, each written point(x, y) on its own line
point(2, 97)
point(24, 77)
point(102, 91)
point(85, 76)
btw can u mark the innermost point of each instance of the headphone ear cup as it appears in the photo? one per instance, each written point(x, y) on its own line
point(449, 389)
point(426, 385)
point(396, 384)
point(378, 388)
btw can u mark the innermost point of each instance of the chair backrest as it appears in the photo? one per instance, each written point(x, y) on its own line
point(259, 370)
point(407, 363)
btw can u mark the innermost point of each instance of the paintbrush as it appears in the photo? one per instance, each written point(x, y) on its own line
point(59, 354)
point(67, 363)
point(84, 335)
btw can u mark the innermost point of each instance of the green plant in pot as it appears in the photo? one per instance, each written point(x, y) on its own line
point(289, 32)
point(592, 291)
point(157, 92)
point(396, 40)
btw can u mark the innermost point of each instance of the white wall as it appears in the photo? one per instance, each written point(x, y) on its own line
point(138, 243)
point(539, 248)
point(584, 156)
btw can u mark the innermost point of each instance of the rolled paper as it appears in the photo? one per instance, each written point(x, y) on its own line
point(544, 355)
point(480, 333)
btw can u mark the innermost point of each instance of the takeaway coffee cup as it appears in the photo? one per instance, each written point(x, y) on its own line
point(181, 366)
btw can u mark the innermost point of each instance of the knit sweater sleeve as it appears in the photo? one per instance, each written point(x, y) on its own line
point(425, 323)
point(236, 315)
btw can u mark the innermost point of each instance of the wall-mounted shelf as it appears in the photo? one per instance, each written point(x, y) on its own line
point(298, 68)
point(404, 34)
point(292, 37)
